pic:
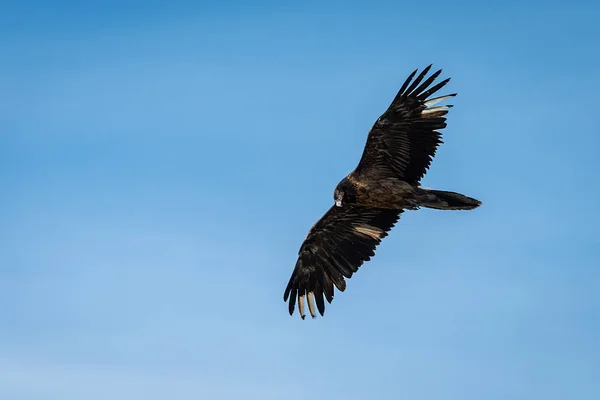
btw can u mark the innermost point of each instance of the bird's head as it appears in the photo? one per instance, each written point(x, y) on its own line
point(344, 193)
point(338, 197)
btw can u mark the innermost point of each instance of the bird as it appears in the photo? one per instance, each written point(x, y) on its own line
point(369, 201)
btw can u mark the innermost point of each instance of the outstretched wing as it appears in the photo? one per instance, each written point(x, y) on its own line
point(403, 141)
point(336, 246)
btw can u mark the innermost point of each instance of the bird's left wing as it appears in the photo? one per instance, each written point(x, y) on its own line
point(336, 246)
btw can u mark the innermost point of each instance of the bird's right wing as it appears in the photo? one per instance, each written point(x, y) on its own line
point(404, 139)
point(336, 246)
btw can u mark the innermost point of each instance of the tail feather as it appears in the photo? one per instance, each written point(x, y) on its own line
point(443, 200)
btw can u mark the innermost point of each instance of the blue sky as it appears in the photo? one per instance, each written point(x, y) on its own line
point(161, 164)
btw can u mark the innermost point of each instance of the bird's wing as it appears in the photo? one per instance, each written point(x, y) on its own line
point(403, 140)
point(336, 246)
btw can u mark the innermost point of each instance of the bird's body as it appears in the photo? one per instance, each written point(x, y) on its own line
point(370, 200)
point(389, 192)
point(397, 194)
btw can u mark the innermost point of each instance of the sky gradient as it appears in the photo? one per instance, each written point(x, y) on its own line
point(161, 164)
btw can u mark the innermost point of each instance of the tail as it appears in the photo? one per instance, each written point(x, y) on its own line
point(442, 200)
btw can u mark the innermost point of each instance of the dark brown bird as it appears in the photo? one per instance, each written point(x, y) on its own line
point(369, 201)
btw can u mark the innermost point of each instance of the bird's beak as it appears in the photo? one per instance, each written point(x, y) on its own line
point(338, 203)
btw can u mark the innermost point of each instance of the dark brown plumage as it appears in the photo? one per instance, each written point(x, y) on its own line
point(368, 202)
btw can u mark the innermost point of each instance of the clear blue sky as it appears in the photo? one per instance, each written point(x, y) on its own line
point(161, 164)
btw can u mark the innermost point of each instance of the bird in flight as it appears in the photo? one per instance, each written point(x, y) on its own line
point(369, 201)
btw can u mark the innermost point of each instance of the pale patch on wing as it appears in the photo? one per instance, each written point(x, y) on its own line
point(436, 100)
point(311, 304)
point(310, 299)
point(301, 306)
point(435, 109)
point(371, 231)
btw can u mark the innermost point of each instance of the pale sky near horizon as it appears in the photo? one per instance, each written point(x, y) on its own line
point(161, 164)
